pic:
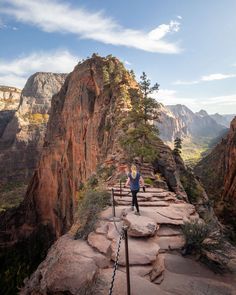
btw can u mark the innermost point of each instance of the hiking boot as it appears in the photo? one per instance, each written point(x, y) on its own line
point(137, 213)
point(132, 208)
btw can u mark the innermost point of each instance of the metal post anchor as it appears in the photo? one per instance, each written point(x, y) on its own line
point(113, 203)
point(125, 228)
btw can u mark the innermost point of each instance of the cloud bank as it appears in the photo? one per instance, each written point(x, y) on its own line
point(211, 77)
point(16, 72)
point(209, 103)
point(54, 16)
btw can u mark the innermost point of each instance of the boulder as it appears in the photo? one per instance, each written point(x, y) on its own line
point(158, 267)
point(166, 230)
point(69, 267)
point(141, 251)
point(170, 243)
point(99, 242)
point(139, 285)
point(140, 226)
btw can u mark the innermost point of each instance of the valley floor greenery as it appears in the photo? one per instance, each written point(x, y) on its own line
point(11, 195)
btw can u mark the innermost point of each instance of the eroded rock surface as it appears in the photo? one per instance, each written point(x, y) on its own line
point(21, 141)
point(154, 267)
point(217, 172)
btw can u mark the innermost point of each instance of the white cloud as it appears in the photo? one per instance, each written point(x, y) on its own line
point(211, 77)
point(212, 104)
point(179, 17)
point(214, 77)
point(12, 80)
point(16, 72)
point(170, 97)
point(224, 100)
point(54, 16)
point(182, 82)
point(126, 62)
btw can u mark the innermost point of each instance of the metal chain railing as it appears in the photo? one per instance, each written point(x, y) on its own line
point(116, 261)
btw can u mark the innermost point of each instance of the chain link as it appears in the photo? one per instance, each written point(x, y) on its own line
point(116, 261)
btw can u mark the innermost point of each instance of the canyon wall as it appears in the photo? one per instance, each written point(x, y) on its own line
point(22, 138)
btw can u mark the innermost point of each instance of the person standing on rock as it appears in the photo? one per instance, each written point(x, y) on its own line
point(133, 181)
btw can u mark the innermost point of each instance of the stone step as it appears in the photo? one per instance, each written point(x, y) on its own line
point(144, 251)
point(146, 204)
point(140, 226)
point(129, 199)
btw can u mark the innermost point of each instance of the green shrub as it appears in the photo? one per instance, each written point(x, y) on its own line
point(105, 172)
point(148, 181)
point(204, 241)
point(195, 233)
point(123, 178)
point(192, 188)
point(92, 181)
point(91, 204)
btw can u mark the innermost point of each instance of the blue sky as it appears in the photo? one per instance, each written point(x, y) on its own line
point(188, 47)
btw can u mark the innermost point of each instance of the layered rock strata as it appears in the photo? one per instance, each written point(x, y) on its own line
point(83, 130)
point(217, 172)
point(9, 98)
point(21, 137)
point(180, 121)
point(9, 102)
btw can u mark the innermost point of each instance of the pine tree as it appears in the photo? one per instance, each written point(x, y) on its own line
point(177, 146)
point(140, 134)
point(132, 74)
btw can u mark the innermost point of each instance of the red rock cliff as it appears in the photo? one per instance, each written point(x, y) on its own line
point(218, 174)
point(229, 192)
point(82, 132)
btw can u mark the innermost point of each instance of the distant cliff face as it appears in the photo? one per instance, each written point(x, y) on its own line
point(21, 139)
point(9, 102)
point(9, 98)
point(223, 120)
point(180, 121)
point(217, 172)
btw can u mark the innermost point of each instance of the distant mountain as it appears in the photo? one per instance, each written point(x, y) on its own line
point(223, 119)
point(179, 120)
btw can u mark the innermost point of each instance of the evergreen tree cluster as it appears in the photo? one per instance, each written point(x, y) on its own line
point(177, 146)
point(140, 134)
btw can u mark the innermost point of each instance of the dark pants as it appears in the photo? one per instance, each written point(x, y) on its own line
point(134, 199)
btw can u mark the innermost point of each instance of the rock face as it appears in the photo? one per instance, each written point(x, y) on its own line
point(223, 120)
point(80, 267)
point(82, 131)
point(217, 172)
point(9, 98)
point(9, 102)
point(22, 134)
point(180, 121)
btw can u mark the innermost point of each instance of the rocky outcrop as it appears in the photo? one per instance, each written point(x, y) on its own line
point(9, 98)
point(80, 267)
point(22, 132)
point(217, 172)
point(9, 102)
point(83, 130)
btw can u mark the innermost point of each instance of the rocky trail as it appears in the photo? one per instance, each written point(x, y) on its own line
point(154, 238)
